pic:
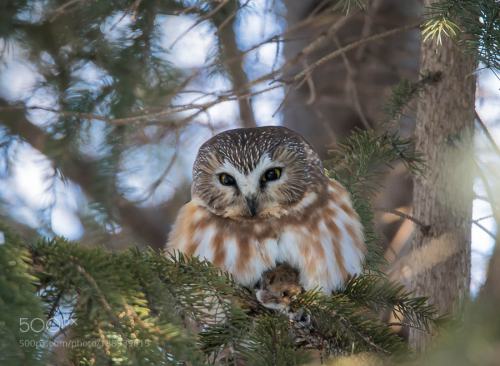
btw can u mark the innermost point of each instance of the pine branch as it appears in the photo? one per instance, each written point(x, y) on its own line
point(272, 343)
point(171, 309)
point(358, 163)
point(345, 326)
point(378, 293)
point(19, 305)
point(406, 91)
point(109, 305)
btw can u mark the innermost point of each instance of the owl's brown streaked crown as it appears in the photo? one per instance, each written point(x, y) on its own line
point(244, 147)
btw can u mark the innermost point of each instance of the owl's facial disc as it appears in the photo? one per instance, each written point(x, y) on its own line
point(251, 193)
point(256, 173)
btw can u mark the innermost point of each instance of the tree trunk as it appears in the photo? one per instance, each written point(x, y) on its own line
point(229, 53)
point(440, 264)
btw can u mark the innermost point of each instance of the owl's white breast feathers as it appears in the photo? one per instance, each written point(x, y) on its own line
point(323, 239)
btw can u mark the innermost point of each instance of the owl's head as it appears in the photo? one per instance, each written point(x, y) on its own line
point(260, 172)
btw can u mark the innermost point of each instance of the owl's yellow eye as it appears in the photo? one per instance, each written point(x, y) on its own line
point(271, 174)
point(226, 180)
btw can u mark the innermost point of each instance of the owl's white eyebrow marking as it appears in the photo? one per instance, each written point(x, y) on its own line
point(248, 184)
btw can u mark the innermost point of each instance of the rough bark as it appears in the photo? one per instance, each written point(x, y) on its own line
point(440, 268)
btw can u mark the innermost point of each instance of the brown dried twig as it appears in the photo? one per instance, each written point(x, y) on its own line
point(424, 227)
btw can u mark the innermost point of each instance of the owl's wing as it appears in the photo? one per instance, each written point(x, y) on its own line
point(241, 252)
point(181, 236)
point(327, 247)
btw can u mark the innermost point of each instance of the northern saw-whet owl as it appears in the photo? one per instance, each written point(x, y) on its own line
point(260, 197)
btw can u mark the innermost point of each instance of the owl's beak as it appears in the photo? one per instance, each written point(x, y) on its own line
point(252, 205)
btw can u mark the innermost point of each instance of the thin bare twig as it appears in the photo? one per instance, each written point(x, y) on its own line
point(354, 45)
point(280, 38)
point(234, 95)
point(285, 99)
point(424, 227)
point(487, 133)
point(299, 56)
point(484, 229)
point(154, 186)
point(483, 218)
point(202, 19)
point(230, 17)
point(299, 77)
point(132, 10)
point(62, 9)
point(312, 88)
point(320, 40)
point(351, 86)
point(489, 192)
point(367, 26)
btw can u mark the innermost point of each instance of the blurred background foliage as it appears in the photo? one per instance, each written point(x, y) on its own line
point(103, 105)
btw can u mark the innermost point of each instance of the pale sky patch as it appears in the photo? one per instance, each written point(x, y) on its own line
point(66, 223)
point(193, 48)
point(17, 80)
